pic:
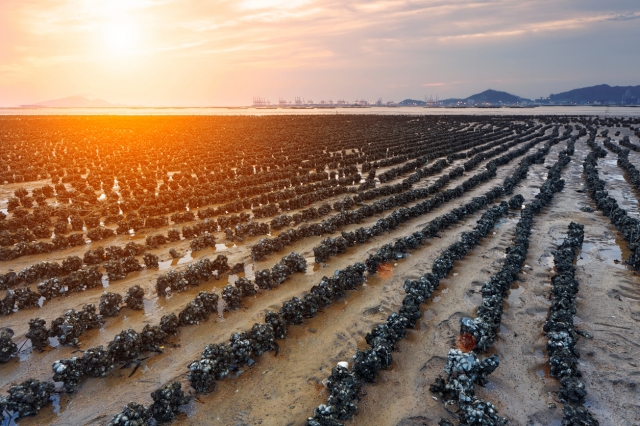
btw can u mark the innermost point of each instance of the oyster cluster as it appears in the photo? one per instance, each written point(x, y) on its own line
point(217, 359)
point(68, 327)
point(165, 407)
point(193, 275)
point(150, 260)
point(27, 398)
point(110, 304)
point(203, 241)
point(7, 347)
point(382, 338)
point(79, 280)
point(134, 299)
point(333, 246)
point(463, 371)
point(118, 269)
point(38, 333)
point(25, 298)
point(561, 333)
point(627, 225)
point(486, 325)
point(199, 308)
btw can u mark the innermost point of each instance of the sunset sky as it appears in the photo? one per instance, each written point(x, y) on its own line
point(196, 52)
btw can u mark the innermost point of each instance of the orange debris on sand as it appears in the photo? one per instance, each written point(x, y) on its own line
point(385, 270)
point(466, 342)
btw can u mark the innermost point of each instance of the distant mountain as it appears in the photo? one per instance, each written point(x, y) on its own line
point(490, 96)
point(602, 93)
point(73, 102)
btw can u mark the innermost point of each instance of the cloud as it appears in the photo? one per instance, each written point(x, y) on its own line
point(425, 39)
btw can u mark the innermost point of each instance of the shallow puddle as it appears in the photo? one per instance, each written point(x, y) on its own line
point(604, 251)
point(514, 295)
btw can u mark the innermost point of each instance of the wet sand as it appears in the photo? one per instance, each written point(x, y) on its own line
point(284, 389)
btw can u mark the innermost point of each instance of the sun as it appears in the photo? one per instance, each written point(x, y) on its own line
point(121, 37)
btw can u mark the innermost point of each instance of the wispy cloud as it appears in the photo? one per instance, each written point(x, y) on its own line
point(422, 38)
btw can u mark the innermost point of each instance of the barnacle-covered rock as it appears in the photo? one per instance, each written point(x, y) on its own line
point(288, 265)
point(127, 345)
point(115, 270)
point(241, 348)
point(292, 311)
point(110, 304)
point(275, 320)
point(208, 300)
point(53, 287)
point(173, 235)
point(133, 414)
point(237, 268)
point(7, 348)
point(463, 370)
point(279, 273)
point(167, 401)
point(25, 298)
point(411, 309)
point(578, 416)
point(516, 201)
point(83, 279)
point(72, 324)
point(264, 280)
point(221, 357)
point(169, 323)
point(202, 242)
point(150, 260)
point(97, 361)
point(261, 338)
point(366, 364)
point(246, 287)
point(193, 313)
point(27, 398)
point(344, 386)
point(323, 415)
point(201, 375)
point(311, 304)
point(92, 257)
point(38, 333)
point(134, 299)
point(68, 371)
point(71, 264)
point(232, 296)
point(152, 337)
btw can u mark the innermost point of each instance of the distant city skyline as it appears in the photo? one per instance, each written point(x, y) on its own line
point(190, 53)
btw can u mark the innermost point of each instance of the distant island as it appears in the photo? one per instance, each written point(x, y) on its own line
point(602, 94)
point(488, 97)
point(73, 102)
point(491, 97)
